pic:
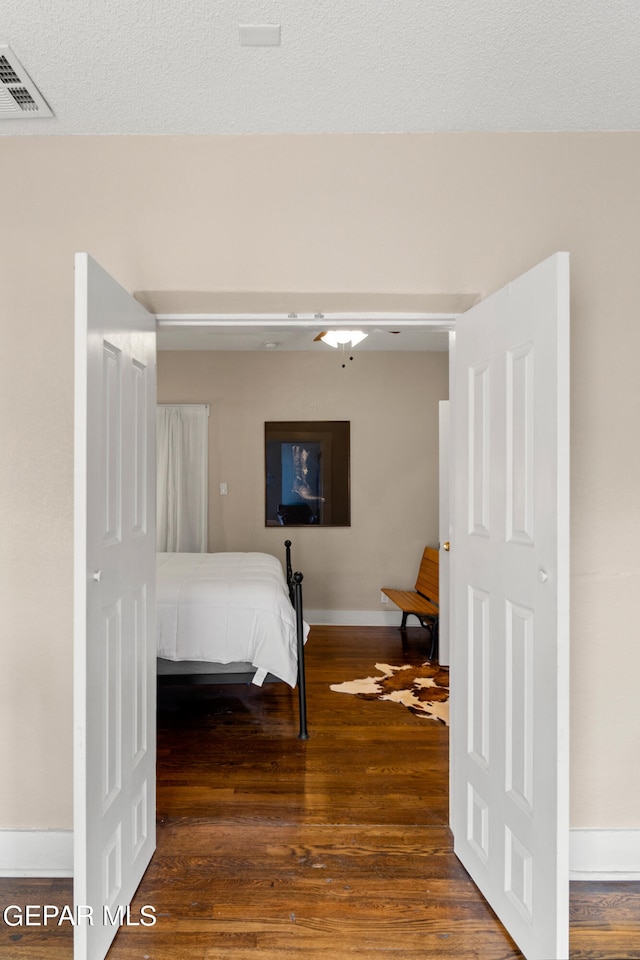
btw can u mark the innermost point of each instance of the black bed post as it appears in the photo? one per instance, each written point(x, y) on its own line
point(302, 683)
point(287, 547)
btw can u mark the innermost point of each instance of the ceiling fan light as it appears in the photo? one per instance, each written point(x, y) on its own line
point(335, 337)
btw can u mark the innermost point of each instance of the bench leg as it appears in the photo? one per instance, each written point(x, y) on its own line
point(429, 623)
point(434, 650)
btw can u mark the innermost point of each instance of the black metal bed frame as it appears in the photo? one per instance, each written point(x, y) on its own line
point(242, 675)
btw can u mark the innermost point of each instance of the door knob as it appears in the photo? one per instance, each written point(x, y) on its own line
point(97, 576)
point(446, 546)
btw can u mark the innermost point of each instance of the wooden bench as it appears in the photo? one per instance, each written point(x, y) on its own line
point(422, 601)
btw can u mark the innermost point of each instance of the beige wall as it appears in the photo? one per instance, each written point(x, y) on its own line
point(391, 400)
point(434, 214)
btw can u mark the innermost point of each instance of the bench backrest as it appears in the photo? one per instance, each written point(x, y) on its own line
point(427, 582)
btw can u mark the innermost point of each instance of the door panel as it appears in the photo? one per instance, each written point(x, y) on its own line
point(115, 566)
point(510, 586)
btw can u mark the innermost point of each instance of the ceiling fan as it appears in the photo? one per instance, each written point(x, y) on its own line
point(336, 338)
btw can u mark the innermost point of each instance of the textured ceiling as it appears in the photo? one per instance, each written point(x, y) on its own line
point(343, 66)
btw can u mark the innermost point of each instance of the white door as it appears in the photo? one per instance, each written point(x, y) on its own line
point(444, 534)
point(510, 583)
point(114, 615)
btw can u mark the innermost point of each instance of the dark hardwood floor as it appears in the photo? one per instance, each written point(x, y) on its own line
point(337, 847)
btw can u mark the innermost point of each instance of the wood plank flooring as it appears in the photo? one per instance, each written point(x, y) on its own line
point(337, 847)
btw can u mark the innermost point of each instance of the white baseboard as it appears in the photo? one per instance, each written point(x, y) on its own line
point(604, 854)
point(593, 854)
point(36, 853)
point(356, 618)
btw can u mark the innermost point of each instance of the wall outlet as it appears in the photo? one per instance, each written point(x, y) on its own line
point(223, 489)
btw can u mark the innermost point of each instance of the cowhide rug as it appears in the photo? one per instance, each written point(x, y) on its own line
point(424, 689)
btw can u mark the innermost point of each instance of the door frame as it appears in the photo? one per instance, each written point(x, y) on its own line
point(440, 321)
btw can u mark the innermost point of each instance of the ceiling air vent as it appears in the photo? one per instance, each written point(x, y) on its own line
point(20, 99)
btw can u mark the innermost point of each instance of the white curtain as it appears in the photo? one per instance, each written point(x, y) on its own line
point(182, 490)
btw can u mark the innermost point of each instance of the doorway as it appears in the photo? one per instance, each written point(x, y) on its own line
point(481, 469)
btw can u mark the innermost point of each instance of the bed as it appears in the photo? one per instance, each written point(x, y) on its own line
point(231, 618)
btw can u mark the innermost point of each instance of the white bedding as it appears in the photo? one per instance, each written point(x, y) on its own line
point(226, 607)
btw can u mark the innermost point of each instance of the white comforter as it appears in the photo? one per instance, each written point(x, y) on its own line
point(227, 607)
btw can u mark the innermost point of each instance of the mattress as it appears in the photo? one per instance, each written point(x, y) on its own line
point(227, 607)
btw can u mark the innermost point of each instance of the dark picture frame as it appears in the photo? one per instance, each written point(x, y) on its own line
point(307, 473)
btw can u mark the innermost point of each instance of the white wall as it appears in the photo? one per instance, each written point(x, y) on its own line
point(391, 401)
point(406, 214)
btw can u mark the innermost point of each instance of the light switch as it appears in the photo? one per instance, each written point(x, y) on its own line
point(223, 489)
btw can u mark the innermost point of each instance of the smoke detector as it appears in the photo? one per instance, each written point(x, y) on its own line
point(20, 99)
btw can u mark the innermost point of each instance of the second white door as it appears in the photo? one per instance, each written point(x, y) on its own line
point(510, 588)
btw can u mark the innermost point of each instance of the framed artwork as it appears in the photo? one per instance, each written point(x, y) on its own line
point(307, 473)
